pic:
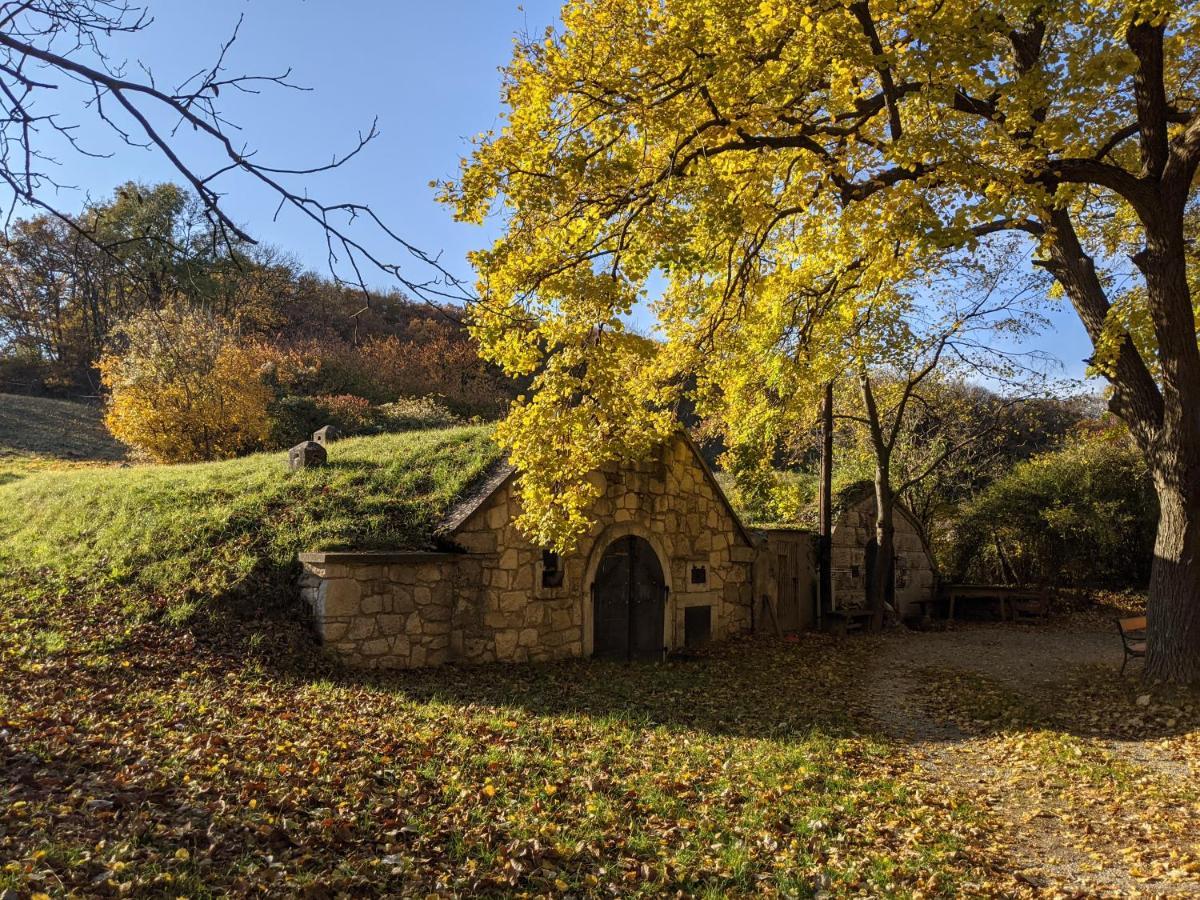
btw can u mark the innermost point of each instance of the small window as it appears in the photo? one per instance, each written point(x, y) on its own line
point(854, 570)
point(552, 572)
point(699, 575)
point(697, 626)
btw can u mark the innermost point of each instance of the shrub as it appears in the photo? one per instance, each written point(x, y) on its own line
point(181, 389)
point(350, 414)
point(414, 413)
point(293, 419)
point(1083, 514)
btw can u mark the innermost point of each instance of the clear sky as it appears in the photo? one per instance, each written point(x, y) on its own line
point(427, 70)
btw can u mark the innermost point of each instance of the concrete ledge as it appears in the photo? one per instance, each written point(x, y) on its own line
point(372, 557)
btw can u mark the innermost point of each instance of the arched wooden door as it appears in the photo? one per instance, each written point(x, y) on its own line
point(628, 597)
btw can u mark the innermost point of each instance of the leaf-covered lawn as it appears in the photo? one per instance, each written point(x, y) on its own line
point(219, 759)
point(165, 762)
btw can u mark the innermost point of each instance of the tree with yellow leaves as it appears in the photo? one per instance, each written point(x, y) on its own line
point(182, 389)
point(785, 165)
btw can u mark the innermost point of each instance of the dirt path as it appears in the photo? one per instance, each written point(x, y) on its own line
point(1052, 793)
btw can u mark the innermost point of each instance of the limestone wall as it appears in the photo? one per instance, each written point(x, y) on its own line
point(382, 610)
point(488, 602)
point(915, 577)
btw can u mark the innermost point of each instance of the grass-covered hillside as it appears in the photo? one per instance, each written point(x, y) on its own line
point(40, 426)
point(182, 536)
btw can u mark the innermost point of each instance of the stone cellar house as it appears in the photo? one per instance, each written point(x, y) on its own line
point(667, 565)
point(912, 587)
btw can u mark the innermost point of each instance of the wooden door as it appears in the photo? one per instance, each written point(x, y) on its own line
point(628, 597)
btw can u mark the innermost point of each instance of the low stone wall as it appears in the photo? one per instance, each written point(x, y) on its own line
point(382, 610)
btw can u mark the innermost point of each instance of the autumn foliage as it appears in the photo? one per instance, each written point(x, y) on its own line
point(182, 389)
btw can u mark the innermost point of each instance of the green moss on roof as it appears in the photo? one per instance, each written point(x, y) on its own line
point(208, 529)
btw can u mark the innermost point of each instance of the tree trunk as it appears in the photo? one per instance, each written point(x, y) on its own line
point(1173, 611)
point(825, 547)
point(885, 531)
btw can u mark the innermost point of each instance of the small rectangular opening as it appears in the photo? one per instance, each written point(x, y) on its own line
point(699, 575)
point(697, 626)
point(552, 571)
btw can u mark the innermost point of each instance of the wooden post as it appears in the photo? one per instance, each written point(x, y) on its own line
point(825, 541)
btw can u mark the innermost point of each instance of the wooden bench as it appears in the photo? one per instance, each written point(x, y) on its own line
point(1133, 638)
point(840, 621)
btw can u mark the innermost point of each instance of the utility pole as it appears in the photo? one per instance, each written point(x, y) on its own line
point(825, 542)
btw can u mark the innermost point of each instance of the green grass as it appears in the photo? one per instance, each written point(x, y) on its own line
point(734, 774)
point(55, 428)
point(177, 537)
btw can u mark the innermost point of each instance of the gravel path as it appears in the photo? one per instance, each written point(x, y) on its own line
point(1040, 819)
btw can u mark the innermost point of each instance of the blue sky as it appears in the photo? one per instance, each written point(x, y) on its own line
point(427, 70)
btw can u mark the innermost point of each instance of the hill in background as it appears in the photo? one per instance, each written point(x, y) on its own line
point(40, 426)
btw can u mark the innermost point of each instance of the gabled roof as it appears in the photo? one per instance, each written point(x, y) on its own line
point(477, 496)
point(856, 492)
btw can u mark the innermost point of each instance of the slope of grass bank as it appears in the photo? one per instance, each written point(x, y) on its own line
point(40, 426)
point(182, 536)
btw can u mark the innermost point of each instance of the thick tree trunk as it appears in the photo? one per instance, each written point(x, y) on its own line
point(1173, 612)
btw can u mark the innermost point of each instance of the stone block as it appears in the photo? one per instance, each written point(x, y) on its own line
point(506, 643)
point(334, 631)
point(478, 542)
point(495, 619)
point(340, 597)
point(497, 515)
point(402, 602)
point(513, 601)
point(414, 625)
point(360, 628)
point(327, 435)
point(306, 455)
point(522, 579)
point(436, 612)
point(376, 647)
point(371, 605)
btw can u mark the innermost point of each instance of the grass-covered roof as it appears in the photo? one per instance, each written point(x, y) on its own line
point(204, 530)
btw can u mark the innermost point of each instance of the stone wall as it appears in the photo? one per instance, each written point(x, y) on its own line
point(488, 602)
point(382, 610)
point(915, 575)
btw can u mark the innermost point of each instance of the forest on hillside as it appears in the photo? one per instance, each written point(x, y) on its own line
point(225, 335)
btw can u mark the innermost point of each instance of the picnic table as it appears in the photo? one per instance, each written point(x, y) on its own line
point(1014, 601)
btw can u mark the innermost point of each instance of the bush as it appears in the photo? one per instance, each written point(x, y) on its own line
point(414, 413)
point(293, 419)
point(181, 389)
point(348, 413)
point(1084, 514)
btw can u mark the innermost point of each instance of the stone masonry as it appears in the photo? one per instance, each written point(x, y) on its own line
point(484, 599)
point(915, 573)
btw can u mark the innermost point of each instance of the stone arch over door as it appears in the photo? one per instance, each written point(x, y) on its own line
point(603, 542)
